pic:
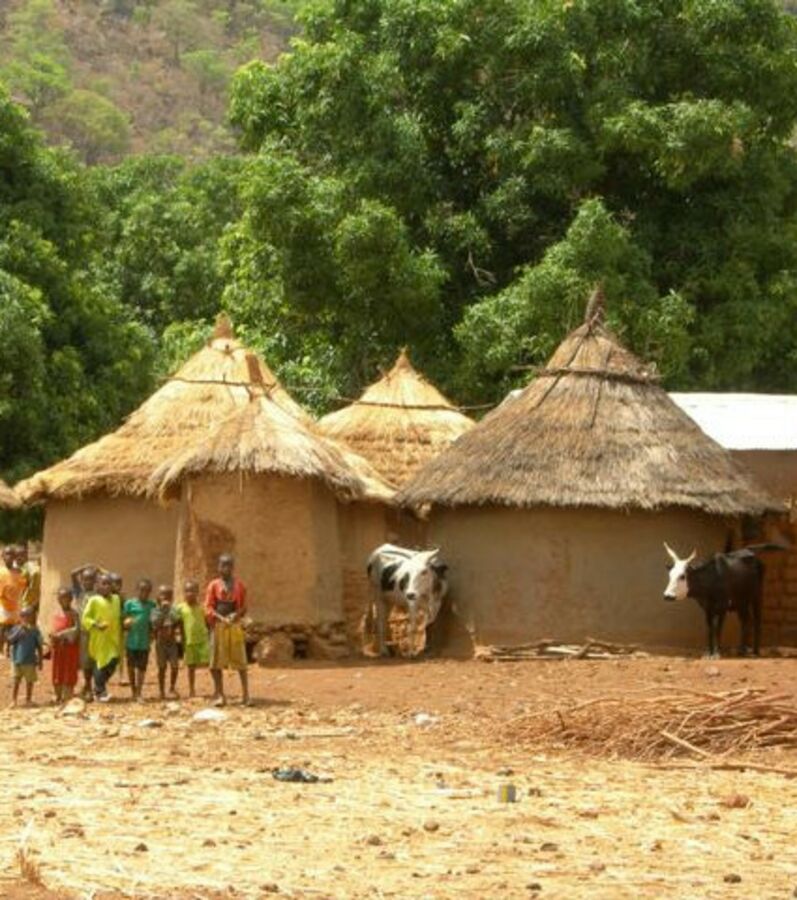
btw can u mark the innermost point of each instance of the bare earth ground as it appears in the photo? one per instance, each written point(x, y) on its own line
point(102, 806)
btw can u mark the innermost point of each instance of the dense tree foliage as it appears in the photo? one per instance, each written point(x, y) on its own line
point(71, 356)
point(453, 175)
point(509, 140)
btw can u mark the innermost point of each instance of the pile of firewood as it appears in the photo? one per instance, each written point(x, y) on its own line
point(669, 724)
point(548, 649)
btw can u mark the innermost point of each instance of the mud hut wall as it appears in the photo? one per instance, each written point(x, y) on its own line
point(131, 536)
point(284, 534)
point(777, 471)
point(363, 527)
point(521, 575)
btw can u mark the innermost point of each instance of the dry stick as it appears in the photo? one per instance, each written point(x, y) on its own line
point(730, 766)
point(684, 744)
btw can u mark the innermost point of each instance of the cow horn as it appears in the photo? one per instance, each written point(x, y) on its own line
point(692, 556)
point(672, 553)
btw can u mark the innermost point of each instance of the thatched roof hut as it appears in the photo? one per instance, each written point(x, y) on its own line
point(266, 486)
point(261, 438)
point(594, 428)
point(399, 423)
point(554, 507)
point(204, 391)
point(8, 497)
point(99, 507)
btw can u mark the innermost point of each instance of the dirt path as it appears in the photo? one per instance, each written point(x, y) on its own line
point(105, 804)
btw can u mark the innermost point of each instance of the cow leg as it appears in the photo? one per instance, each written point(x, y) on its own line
point(709, 654)
point(714, 625)
point(744, 630)
point(413, 611)
point(719, 620)
point(381, 615)
point(758, 602)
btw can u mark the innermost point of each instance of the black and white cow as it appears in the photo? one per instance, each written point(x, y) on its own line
point(727, 582)
point(410, 579)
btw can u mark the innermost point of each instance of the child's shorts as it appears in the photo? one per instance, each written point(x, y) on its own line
point(168, 655)
point(137, 659)
point(26, 672)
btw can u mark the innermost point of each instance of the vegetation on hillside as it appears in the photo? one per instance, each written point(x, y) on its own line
point(452, 175)
point(111, 77)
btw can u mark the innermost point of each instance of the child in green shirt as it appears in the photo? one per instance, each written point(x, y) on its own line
point(136, 616)
point(196, 644)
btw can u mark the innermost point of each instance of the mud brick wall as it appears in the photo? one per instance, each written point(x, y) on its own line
point(780, 586)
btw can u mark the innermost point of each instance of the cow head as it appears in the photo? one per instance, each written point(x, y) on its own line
point(418, 575)
point(678, 587)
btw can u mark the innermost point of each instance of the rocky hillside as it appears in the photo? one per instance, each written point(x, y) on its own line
point(112, 77)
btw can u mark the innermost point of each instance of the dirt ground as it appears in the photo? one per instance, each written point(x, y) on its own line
point(104, 806)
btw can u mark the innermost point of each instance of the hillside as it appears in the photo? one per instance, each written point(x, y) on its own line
point(113, 77)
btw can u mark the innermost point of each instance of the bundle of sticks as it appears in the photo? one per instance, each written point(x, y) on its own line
point(670, 724)
point(592, 648)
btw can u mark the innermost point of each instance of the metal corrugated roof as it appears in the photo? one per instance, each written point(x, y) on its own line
point(744, 421)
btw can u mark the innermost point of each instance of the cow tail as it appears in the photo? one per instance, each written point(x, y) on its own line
point(763, 548)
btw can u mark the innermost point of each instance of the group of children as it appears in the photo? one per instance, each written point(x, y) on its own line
point(95, 631)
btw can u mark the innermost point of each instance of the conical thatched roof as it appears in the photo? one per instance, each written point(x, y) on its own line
point(399, 423)
point(204, 391)
point(8, 497)
point(261, 438)
point(593, 429)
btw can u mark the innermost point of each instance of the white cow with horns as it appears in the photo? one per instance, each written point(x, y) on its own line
point(411, 579)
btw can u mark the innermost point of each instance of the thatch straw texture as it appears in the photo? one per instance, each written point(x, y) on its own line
point(261, 438)
point(8, 497)
point(206, 390)
point(593, 429)
point(399, 424)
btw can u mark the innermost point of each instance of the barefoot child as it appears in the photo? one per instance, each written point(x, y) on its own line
point(84, 580)
point(65, 641)
point(166, 623)
point(25, 641)
point(196, 645)
point(12, 587)
point(137, 616)
point(101, 620)
point(225, 607)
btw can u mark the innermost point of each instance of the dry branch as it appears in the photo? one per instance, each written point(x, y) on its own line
point(662, 726)
point(547, 650)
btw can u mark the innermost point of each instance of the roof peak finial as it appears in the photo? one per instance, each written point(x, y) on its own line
point(596, 306)
point(223, 328)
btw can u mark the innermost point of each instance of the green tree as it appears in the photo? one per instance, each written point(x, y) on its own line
point(333, 279)
point(73, 361)
point(38, 59)
point(164, 219)
point(497, 132)
point(97, 129)
point(180, 23)
point(209, 68)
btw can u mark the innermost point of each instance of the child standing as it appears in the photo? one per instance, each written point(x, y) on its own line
point(117, 585)
point(12, 587)
point(196, 643)
point(225, 607)
point(101, 619)
point(65, 641)
point(166, 623)
point(84, 581)
point(25, 641)
point(136, 616)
